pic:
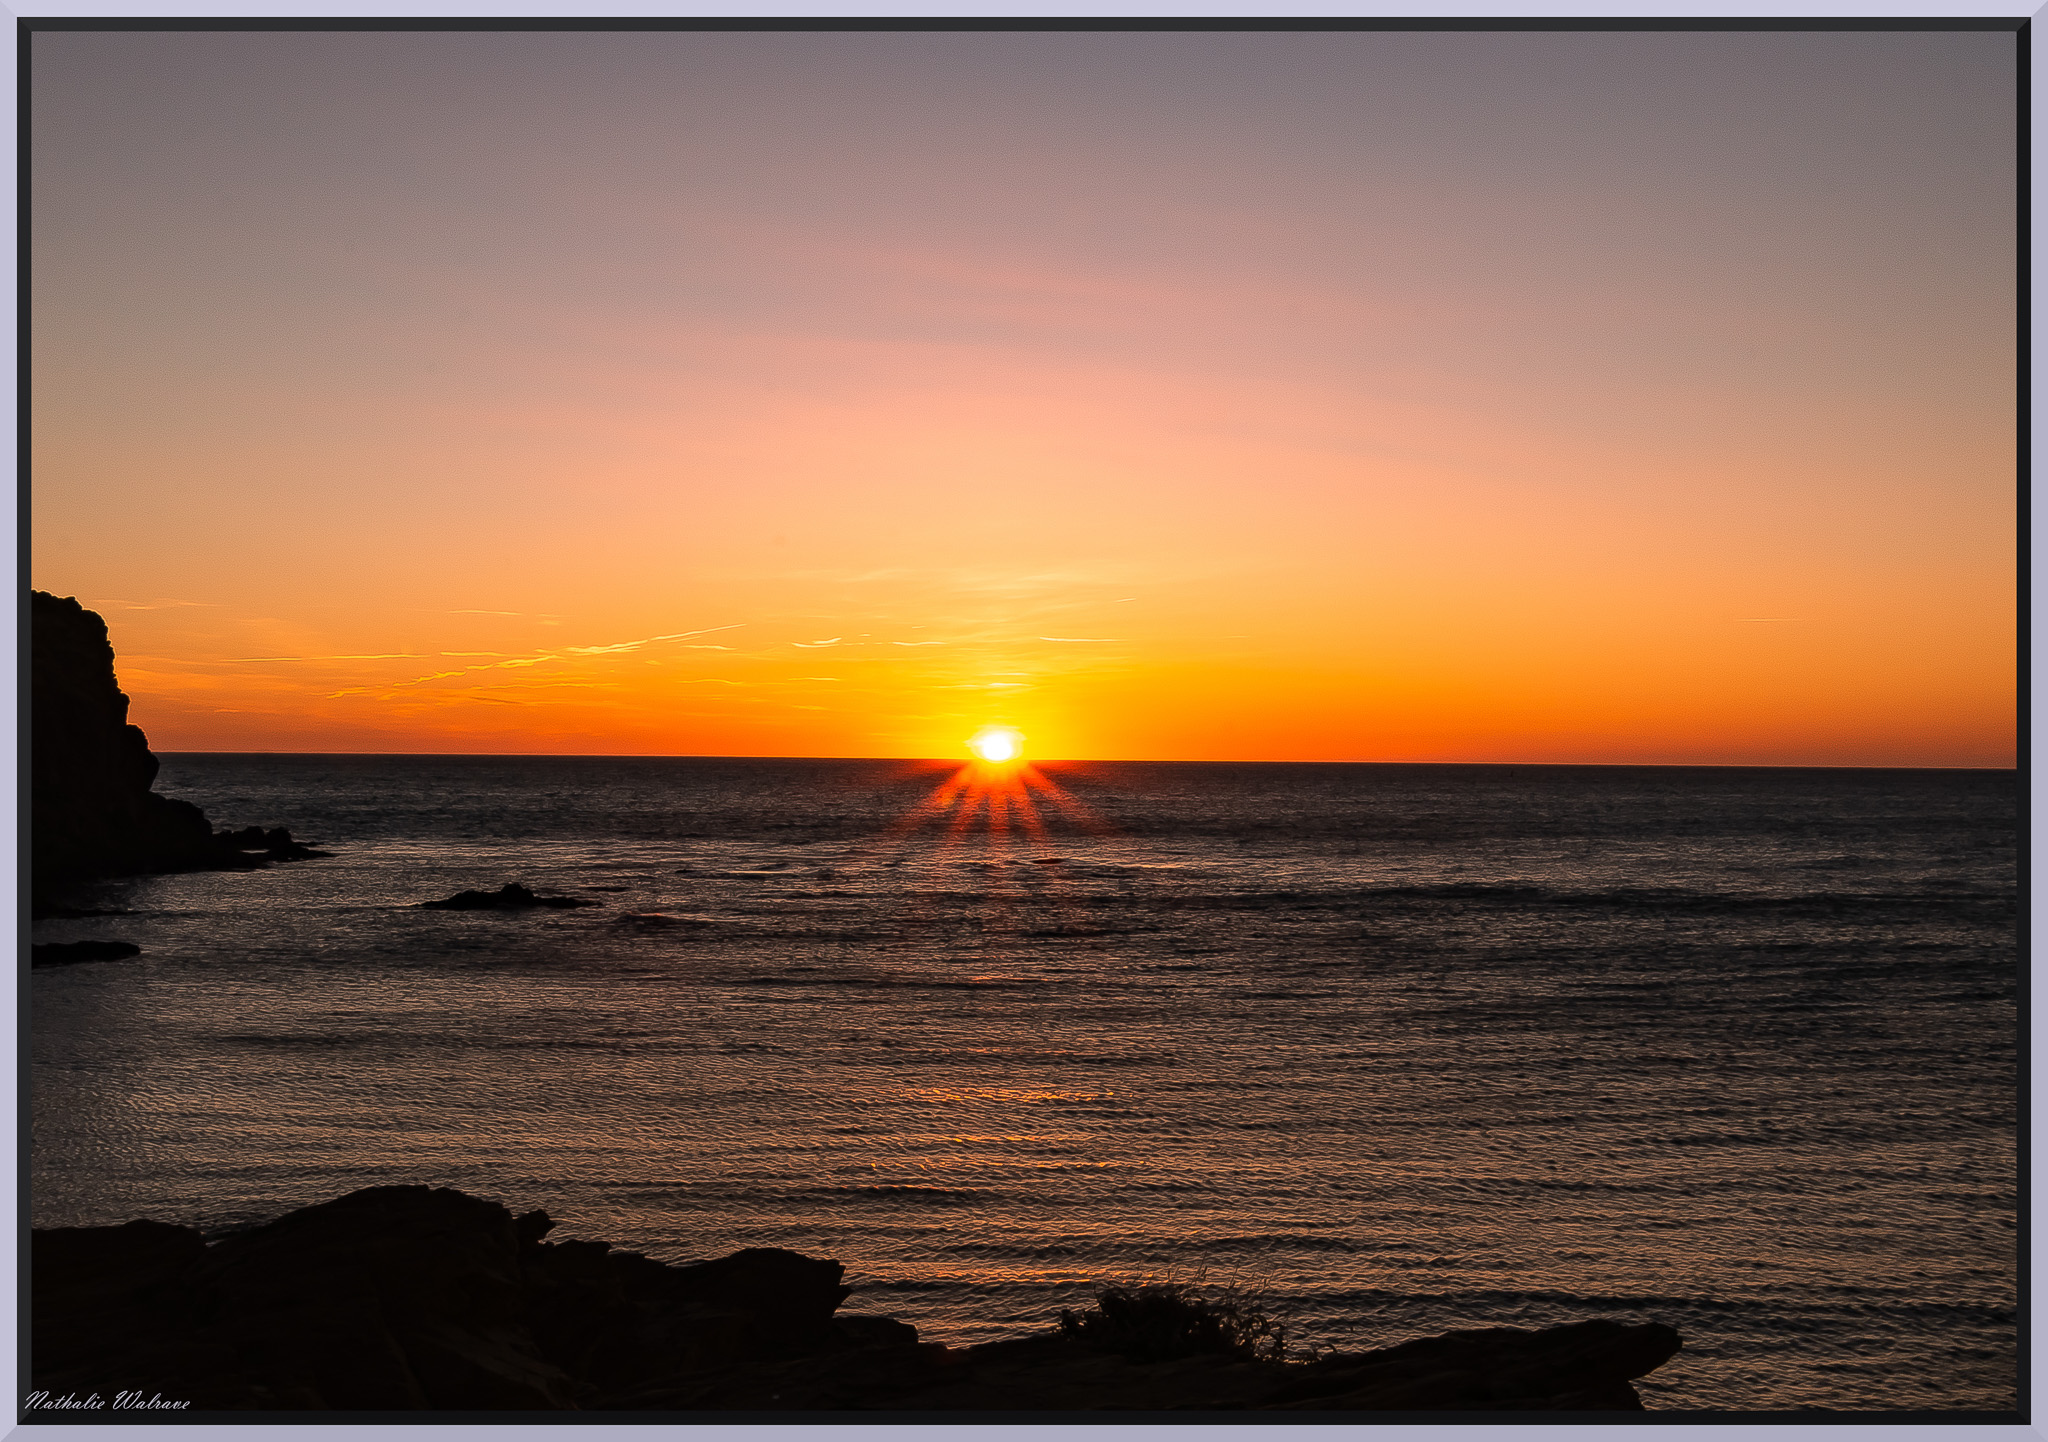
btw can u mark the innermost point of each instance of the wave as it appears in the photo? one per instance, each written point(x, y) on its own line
point(895, 982)
point(1658, 899)
point(901, 1192)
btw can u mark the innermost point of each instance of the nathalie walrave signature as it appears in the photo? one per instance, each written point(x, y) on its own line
point(93, 1402)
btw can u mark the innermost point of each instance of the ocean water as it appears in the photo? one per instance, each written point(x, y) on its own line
point(1400, 1048)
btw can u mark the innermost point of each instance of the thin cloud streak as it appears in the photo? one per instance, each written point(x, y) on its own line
point(156, 605)
point(375, 656)
point(569, 652)
point(647, 641)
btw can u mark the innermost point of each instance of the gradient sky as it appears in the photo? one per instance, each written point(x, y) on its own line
point(1401, 397)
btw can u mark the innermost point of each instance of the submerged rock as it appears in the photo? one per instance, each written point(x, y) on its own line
point(276, 844)
point(510, 897)
point(411, 1298)
point(660, 921)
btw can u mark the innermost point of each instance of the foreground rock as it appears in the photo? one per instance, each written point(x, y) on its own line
point(408, 1299)
point(509, 897)
point(93, 812)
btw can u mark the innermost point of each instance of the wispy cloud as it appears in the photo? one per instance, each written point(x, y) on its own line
point(645, 641)
point(374, 656)
point(154, 605)
point(556, 686)
point(917, 643)
point(566, 653)
point(812, 645)
point(1090, 639)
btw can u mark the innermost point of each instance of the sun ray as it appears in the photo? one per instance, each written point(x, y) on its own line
point(1011, 807)
point(1027, 815)
point(1065, 801)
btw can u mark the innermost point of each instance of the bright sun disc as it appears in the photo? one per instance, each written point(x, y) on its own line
point(997, 743)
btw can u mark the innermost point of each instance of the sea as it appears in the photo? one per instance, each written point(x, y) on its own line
point(1390, 1049)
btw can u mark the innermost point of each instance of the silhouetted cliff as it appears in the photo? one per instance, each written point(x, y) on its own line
point(92, 810)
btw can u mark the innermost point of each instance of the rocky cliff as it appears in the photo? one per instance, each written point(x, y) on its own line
point(400, 1299)
point(92, 810)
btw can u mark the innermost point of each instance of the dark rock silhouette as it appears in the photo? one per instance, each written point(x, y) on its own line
point(61, 953)
point(1584, 1366)
point(410, 1298)
point(660, 921)
point(510, 897)
point(276, 844)
point(92, 810)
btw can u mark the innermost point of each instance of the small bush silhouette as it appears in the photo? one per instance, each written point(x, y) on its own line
point(1156, 1321)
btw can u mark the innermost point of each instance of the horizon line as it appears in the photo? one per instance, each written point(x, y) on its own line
point(1115, 761)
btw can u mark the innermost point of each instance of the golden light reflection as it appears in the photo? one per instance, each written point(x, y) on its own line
point(1003, 803)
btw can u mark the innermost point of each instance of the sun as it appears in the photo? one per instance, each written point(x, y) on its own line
point(997, 744)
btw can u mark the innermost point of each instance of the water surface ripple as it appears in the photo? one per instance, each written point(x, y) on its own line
point(1406, 1047)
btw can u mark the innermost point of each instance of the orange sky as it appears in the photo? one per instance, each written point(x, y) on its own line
point(1603, 398)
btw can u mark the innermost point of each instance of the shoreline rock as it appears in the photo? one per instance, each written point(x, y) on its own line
point(509, 897)
point(93, 812)
point(409, 1298)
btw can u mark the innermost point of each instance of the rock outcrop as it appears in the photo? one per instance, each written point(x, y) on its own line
point(92, 810)
point(417, 1299)
point(509, 897)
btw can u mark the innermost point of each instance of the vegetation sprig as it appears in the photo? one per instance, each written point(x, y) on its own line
point(1159, 1321)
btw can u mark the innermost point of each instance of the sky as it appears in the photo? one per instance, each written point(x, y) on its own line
point(1613, 398)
